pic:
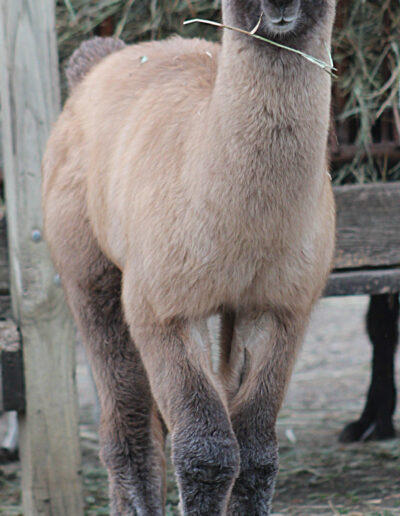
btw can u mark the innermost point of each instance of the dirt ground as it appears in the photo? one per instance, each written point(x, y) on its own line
point(318, 476)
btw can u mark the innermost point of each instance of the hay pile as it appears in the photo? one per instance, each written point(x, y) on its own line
point(132, 20)
point(366, 96)
point(366, 50)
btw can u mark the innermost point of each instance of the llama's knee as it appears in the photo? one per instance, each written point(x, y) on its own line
point(208, 460)
point(259, 465)
point(206, 468)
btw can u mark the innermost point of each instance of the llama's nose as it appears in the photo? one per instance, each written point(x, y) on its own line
point(282, 12)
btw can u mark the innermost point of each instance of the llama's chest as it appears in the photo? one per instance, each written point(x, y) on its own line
point(190, 253)
point(192, 271)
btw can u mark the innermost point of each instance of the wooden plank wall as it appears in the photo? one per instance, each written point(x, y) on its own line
point(367, 258)
point(49, 444)
point(368, 223)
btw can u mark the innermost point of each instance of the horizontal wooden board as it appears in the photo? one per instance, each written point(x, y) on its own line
point(380, 281)
point(368, 225)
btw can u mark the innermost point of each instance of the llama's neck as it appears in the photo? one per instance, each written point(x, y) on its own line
point(267, 120)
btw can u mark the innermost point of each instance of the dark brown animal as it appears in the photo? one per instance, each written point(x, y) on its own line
point(185, 179)
point(376, 420)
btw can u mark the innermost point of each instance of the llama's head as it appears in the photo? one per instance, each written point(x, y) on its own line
point(281, 20)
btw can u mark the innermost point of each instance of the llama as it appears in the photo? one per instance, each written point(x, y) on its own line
point(185, 179)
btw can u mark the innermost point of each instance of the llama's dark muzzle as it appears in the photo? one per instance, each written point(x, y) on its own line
point(281, 15)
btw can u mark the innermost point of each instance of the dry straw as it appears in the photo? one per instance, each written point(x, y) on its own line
point(329, 68)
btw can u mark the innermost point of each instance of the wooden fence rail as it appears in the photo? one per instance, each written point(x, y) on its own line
point(367, 258)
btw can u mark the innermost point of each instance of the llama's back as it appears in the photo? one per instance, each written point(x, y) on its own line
point(128, 108)
point(110, 66)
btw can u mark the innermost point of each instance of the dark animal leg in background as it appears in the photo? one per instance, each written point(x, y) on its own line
point(376, 419)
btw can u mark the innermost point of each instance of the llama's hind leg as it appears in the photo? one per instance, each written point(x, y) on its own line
point(131, 433)
point(268, 343)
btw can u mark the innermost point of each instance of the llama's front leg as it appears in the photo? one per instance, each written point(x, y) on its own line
point(268, 346)
point(204, 447)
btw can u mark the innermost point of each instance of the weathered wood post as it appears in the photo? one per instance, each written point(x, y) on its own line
point(30, 102)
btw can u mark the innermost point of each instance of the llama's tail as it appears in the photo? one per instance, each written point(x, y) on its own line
point(88, 55)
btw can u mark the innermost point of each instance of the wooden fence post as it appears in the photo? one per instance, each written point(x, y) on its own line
point(30, 101)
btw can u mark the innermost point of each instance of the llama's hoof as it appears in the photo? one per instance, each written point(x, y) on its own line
point(359, 431)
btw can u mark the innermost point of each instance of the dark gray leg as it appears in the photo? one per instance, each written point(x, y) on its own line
point(263, 351)
point(255, 431)
point(131, 433)
point(204, 448)
point(376, 420)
